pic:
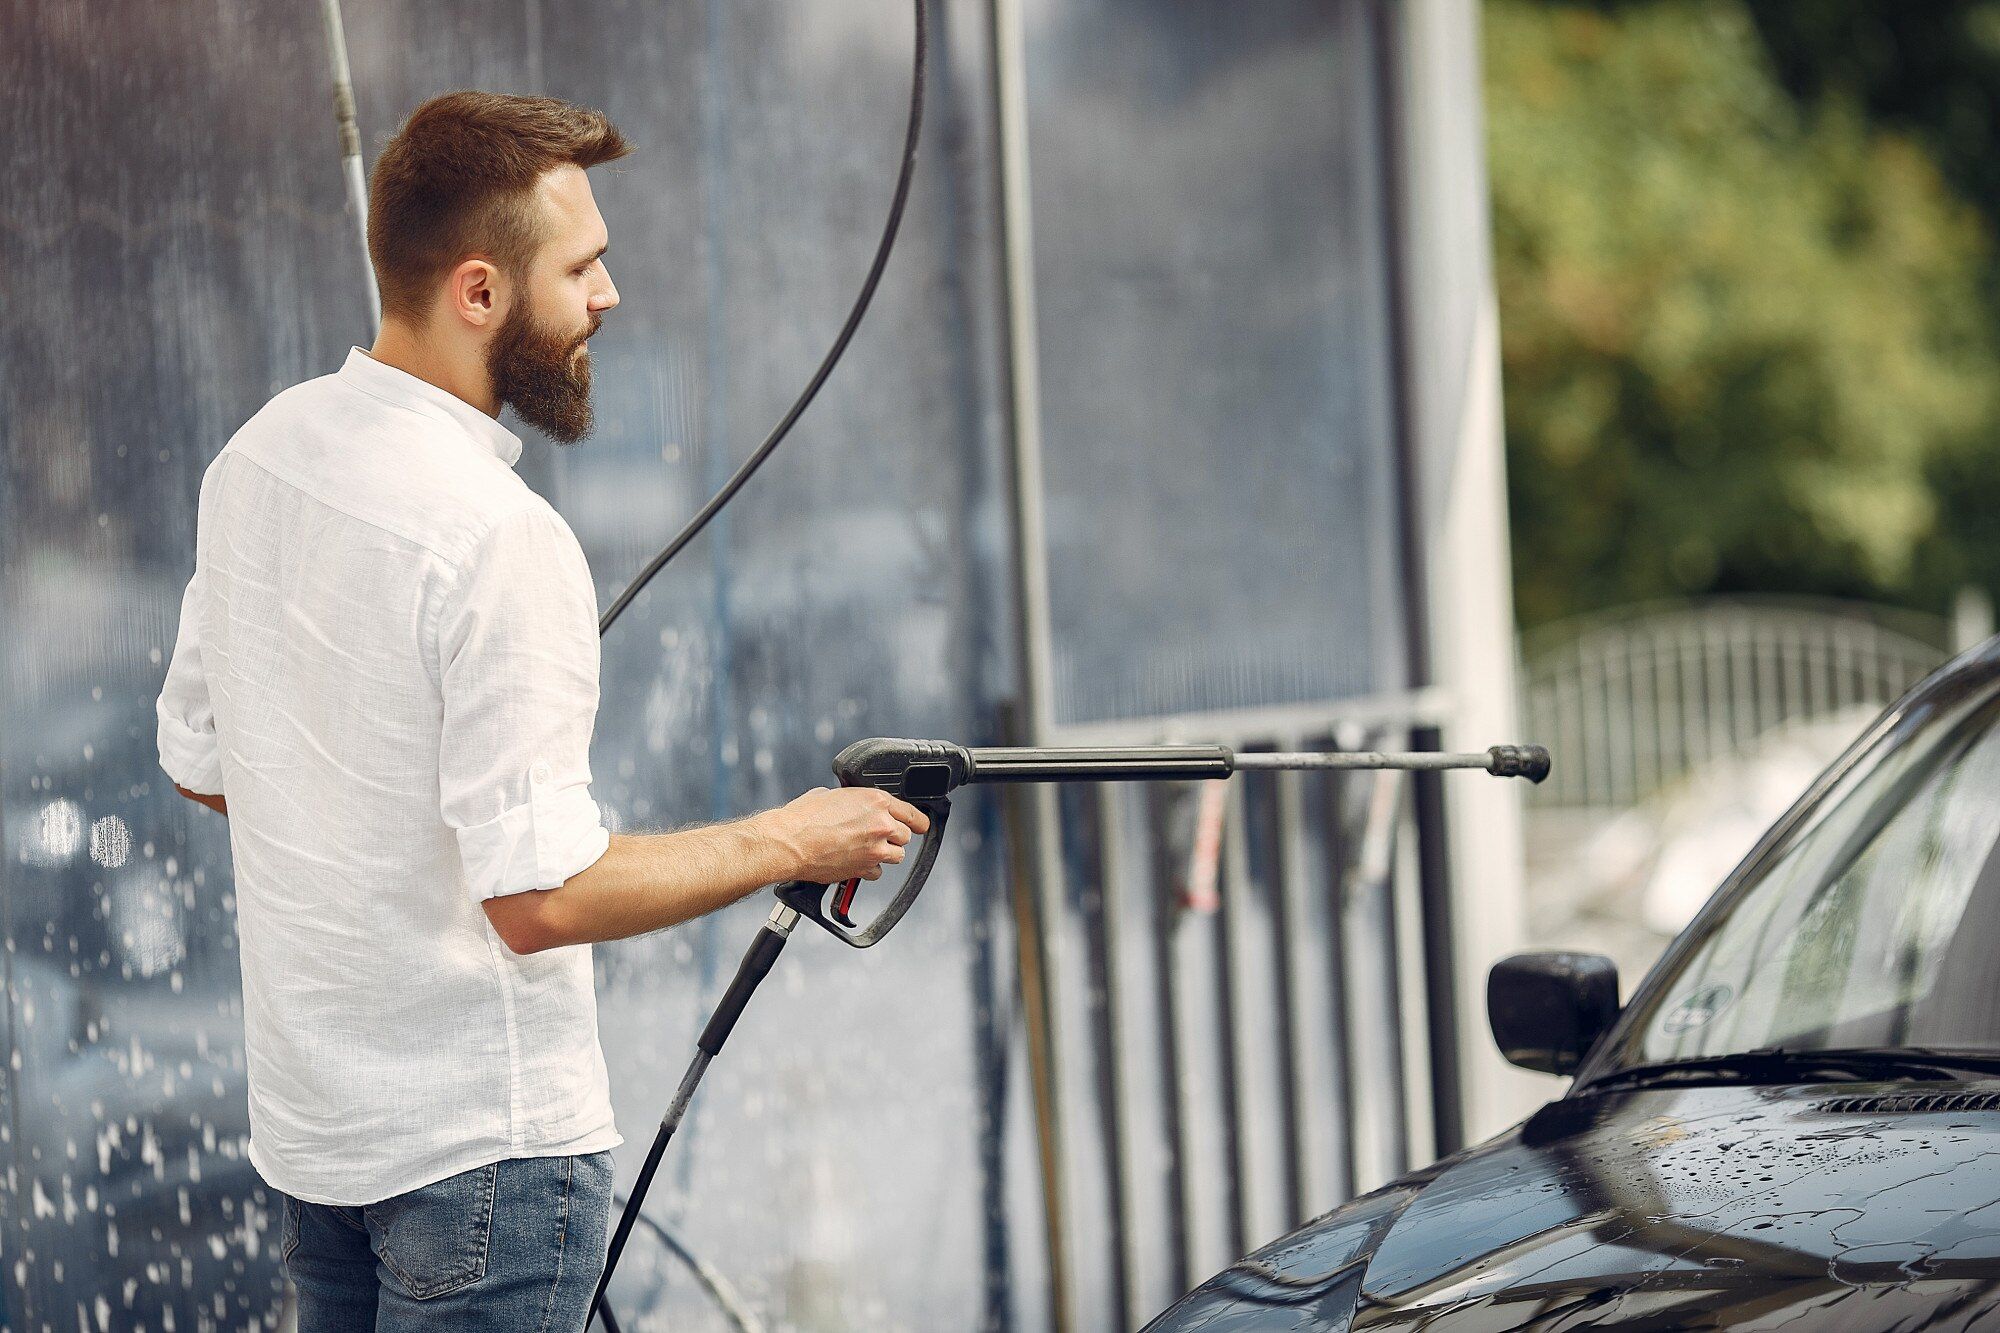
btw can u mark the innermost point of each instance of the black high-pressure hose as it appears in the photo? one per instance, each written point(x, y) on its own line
point(771, 939)
point(833, 355)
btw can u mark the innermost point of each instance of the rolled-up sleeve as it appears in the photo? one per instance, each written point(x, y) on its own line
point(189, 751)
point(518, 658)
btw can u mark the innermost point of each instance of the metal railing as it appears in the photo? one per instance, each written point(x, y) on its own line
point(1240, 1025)
point(1630, 701)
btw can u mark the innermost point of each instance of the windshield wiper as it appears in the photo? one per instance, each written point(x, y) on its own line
point(1772, 1064)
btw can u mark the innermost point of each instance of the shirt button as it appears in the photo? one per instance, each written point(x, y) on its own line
point(540, 772)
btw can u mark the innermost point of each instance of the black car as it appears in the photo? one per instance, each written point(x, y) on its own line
point(1794, 1123)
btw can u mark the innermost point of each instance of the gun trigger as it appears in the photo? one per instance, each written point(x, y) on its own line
point(843, 900)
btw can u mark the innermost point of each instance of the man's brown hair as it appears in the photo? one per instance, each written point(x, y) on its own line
point(457, 180)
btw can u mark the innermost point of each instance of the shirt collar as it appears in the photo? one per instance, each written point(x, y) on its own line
point(384, 381)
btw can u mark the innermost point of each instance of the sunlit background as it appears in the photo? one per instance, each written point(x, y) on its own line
point(1749, 300)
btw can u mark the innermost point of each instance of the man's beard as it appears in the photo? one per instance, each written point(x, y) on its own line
point(534, 368)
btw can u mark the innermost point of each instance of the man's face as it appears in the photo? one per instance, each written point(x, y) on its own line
point(537, 357)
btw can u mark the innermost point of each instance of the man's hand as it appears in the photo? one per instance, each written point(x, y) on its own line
point(215, 803)
point(838, 834)
point(647, 881)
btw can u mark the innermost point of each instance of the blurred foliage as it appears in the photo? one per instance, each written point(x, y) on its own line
point(1932, 69)
point(1746, 333)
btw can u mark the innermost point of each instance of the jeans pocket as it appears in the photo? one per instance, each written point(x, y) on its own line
point(288, 1227)
point(593, 1177)
point(434, 1239)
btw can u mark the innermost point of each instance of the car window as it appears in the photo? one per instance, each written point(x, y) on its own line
point(1876, 925)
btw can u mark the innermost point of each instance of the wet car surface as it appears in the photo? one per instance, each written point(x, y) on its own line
point(1793, 1123)
point(1692, 1208)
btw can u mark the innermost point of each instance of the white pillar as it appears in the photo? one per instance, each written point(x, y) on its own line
point(1462, 510)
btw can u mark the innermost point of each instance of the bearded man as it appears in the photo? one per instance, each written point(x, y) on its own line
point(386, 677)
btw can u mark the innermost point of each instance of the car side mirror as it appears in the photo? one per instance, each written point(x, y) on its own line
point(1549, 1009)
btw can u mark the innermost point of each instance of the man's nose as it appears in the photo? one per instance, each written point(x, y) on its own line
point(606, 298)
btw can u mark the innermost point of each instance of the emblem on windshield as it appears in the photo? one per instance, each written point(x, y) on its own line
point(1698, 1008)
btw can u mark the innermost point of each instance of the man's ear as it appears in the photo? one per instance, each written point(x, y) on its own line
point(477, 293)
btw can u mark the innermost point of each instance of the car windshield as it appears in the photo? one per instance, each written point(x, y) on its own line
point(1875, 924)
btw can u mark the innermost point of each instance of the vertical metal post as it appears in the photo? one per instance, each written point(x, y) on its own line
point(1416, 989)
point(993, 1012)
point(1375, 874)
point(1300, 1105)
point(1031, 576)
point(1237, 1012)
point(350, 148)
point(1336, 915)
point(1166, 917)
point(1033, 965)
point(1440, 954)
point(1112, 890)
point(1971, 618)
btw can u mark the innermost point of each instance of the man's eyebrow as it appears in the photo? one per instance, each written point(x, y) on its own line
point(592, 257)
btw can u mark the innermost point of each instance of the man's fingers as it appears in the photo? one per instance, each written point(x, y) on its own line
point(903, 810)
point(910, 815)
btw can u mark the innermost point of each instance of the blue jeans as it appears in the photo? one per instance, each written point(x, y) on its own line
point(515, 1244)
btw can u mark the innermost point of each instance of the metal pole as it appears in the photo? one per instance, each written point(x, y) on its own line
point(1440, 948)
point(1031, 596)
point(1116, 1112)
point(350, 149)
point(1237, 1021)
point(1336, 886)
point(1440, 951)
point(1300, 1105)
point(1032, 964)
point(1166, 917)
point(1155, 763)
point(1374, 892)
point(1415, 761)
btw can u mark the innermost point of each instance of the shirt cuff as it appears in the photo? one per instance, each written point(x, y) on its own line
point(193, 759)
point(557, 832)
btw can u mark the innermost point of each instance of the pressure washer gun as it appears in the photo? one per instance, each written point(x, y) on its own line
point(925, 773)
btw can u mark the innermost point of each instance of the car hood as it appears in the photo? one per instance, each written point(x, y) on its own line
point(1861, 1206)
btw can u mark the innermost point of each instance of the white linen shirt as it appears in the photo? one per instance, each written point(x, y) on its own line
point(387, 664)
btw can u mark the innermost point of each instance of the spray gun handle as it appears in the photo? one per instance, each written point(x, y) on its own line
point(809, 899)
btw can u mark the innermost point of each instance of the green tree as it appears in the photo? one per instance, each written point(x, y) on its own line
point(1744, 339)
point(1933, 71)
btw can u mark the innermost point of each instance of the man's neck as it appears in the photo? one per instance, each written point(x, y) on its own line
point(398, 346)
